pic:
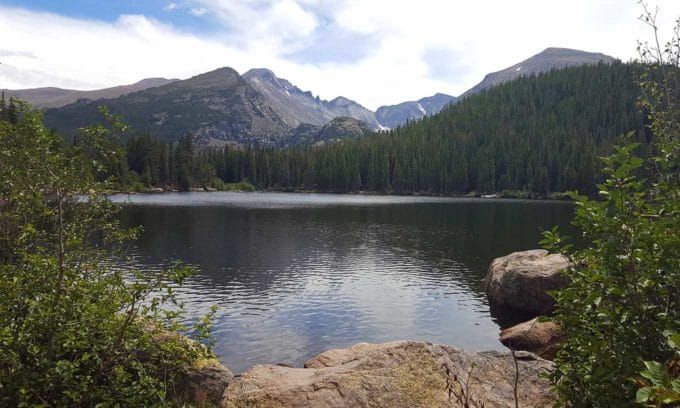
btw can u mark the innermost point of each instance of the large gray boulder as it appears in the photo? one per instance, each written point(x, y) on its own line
point(397, 374)
point(541, 338)
point(521, 280)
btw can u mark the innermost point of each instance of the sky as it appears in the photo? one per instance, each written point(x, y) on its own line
point(377, 52)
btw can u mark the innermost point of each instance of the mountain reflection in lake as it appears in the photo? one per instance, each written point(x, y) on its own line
point(296, 274)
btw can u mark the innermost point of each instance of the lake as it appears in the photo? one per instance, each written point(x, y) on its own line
point(296, 274)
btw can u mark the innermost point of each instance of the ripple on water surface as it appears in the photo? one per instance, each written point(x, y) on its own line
point(296, 274)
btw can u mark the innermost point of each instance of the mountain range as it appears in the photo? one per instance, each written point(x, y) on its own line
point(258, 108)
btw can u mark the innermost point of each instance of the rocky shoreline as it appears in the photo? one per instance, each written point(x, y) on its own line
point(396, 374)
point(412, 373)
point(509, 196)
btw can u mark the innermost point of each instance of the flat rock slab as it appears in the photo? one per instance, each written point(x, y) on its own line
point(521, 280)
point(397, 374)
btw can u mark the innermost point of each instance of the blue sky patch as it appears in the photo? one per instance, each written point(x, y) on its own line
point(180, 15)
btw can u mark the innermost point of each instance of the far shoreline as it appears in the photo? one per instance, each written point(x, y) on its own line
point(523, 196)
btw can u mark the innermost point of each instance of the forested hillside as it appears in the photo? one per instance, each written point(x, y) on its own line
point(538, 134)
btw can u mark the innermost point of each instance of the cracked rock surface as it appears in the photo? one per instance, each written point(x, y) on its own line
point(396, 374)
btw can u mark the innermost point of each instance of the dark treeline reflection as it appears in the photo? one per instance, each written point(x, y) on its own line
point(331, 275)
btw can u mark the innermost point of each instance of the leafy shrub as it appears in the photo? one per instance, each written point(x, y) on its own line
point(240, 186)
point(74, 329)
point(623, 295)
point(217, 184)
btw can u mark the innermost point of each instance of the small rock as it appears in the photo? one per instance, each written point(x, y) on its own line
point(521, 280)
point(541, 338)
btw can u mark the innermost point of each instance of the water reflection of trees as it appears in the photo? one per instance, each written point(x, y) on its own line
point(258, 247)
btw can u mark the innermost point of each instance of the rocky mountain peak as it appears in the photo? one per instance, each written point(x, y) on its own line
point(397, 115)
point(263, 77)
point(341, 101)
point(264, 73)
point(220, 78)
point(217, 74)
point(297, 107)
point(550, 58)
point(561, 52)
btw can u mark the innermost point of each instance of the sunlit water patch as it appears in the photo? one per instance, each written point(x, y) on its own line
point(296, 274)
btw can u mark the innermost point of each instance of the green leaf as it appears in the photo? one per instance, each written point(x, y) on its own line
point(643, 395)
point(675, 385)
point(656, 373)
point(674, 341)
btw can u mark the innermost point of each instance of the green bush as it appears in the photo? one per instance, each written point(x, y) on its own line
point(623, 295)
point(240, 186)
point(74, 329)
point(217, 184)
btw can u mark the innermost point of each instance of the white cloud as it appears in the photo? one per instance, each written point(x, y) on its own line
point(417, 48)
point(194, 11)
point(266, 26)
point(198, 11)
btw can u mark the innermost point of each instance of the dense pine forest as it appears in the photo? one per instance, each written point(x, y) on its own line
point(535, 135)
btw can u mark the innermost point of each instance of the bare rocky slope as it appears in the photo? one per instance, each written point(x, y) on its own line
point(51, 97)
point(339, 128)
point(222, 107)
point(397, 115)
point(550, 58)
point(217, 107)
point(297, 106)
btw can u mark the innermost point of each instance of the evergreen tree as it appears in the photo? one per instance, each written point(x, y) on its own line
point(3, 107)
point(184, 163)
point(12, 112)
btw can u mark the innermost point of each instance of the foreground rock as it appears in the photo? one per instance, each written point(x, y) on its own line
point(541, 338)
point(203, 381)
point(203, 384)
point(521, 280)
point(396, 374)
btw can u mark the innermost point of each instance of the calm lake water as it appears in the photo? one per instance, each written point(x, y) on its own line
point(296, 274)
